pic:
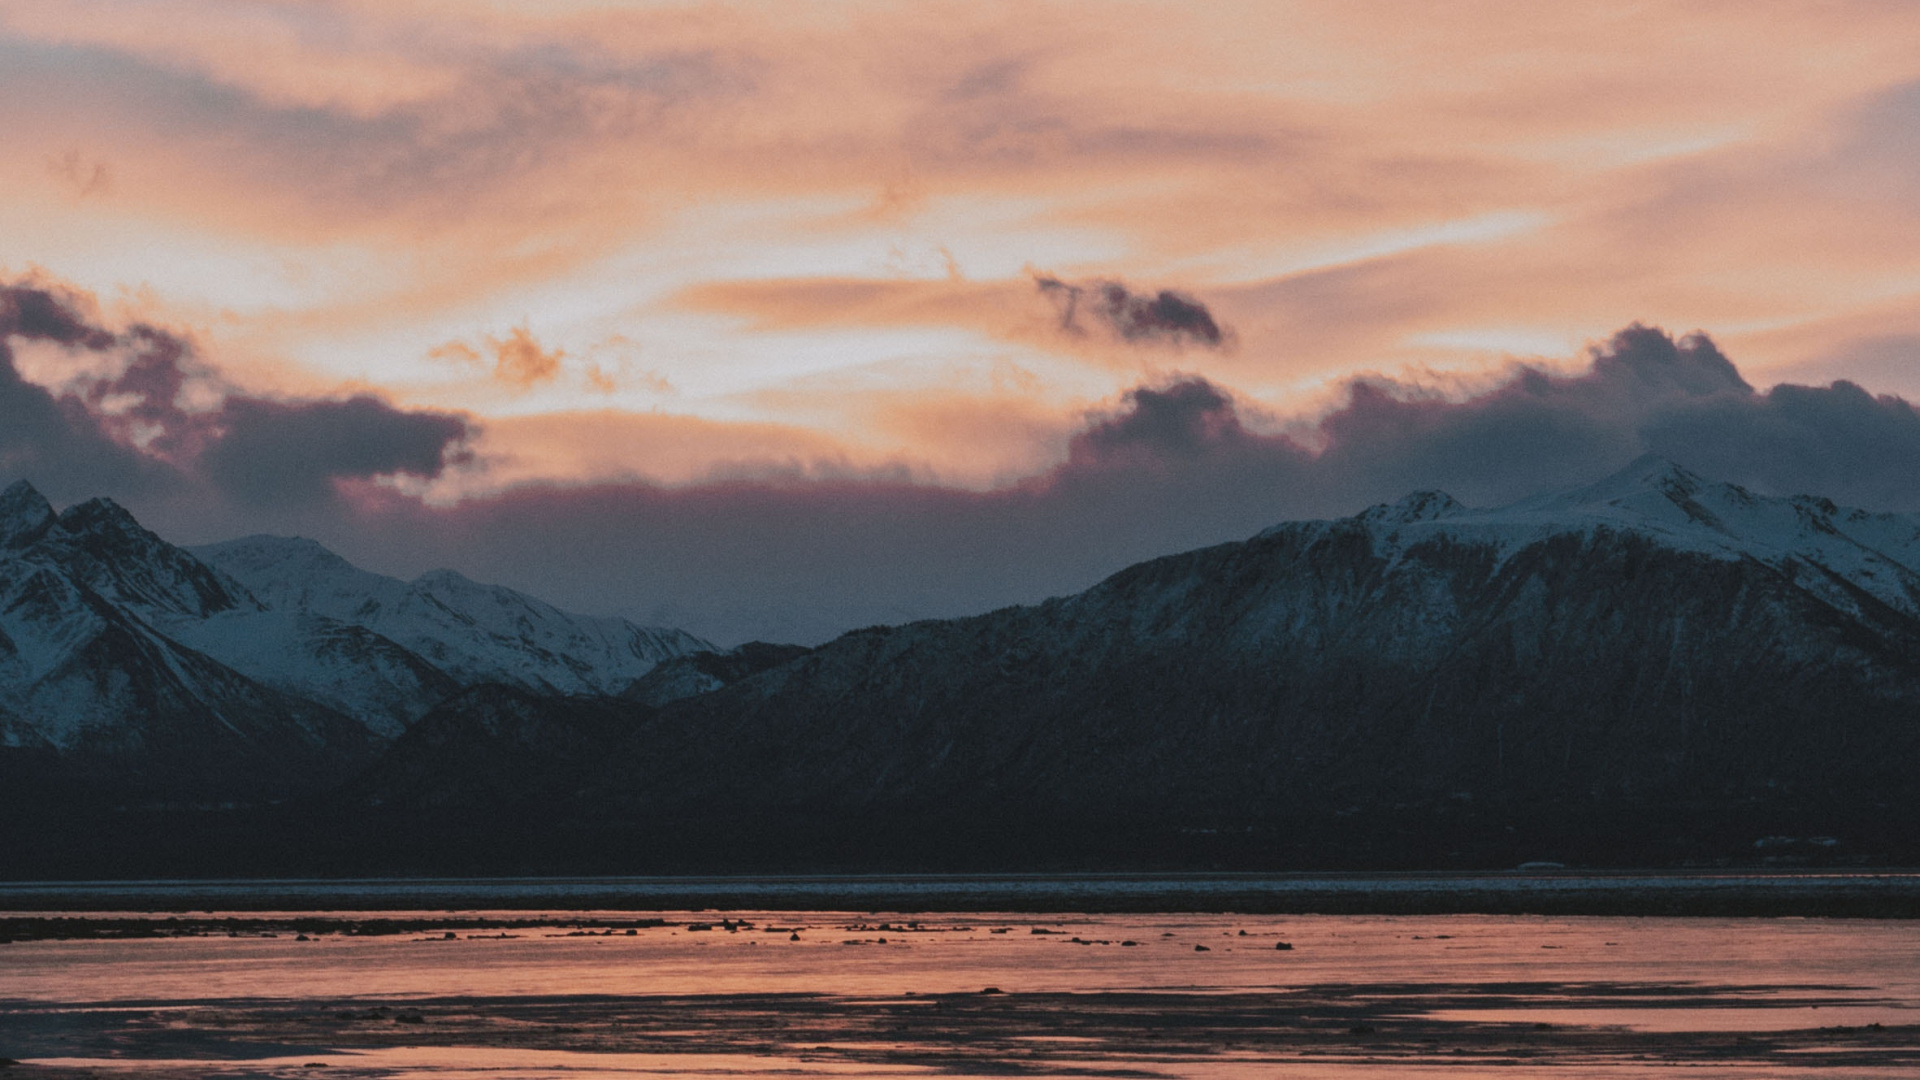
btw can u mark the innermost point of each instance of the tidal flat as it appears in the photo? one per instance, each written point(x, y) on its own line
point(522, 994)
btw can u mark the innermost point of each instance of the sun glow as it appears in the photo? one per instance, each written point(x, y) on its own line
point(811, 221)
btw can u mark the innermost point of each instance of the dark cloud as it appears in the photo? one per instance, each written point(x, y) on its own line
point(40, 312)
point(1839, 441)
point(1646, 360)
point(1886, 362)
point(280, 452)
point(1645, 392)
point(1182, 419)
point(1166, 316)
point(128, 433)
point(141, 405)
point(57, 441)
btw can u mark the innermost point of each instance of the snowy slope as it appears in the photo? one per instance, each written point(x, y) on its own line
point(346, 667)
point(87, 668)
point(169, 594)
point(123, 650)
point(472, 632)
point(99, 545)
point(1847, 557)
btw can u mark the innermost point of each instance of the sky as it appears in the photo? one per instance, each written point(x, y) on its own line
point(776, 320)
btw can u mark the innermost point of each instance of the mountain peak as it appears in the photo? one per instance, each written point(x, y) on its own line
point(269, 541)
point(102, 545)
point(266, 549)
point(100, 516)
point(24, 515)
point(1653, 472)
point(1647, 477)
point(1427, 505)
point(20, 489)
point(444, 579)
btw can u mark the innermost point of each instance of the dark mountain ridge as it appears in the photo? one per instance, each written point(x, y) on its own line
point(1653, 668)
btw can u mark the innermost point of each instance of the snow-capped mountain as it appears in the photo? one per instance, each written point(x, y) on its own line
point(1837, 554)
point(373, 679)
point(88, 674)
point(474, 633)
point(1648, 668)
point(124, 655)
point(1652, 658)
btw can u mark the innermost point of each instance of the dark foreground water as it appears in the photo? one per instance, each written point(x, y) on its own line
point(332, 986)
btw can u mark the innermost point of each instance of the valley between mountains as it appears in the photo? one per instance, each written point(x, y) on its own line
point(1655, 669)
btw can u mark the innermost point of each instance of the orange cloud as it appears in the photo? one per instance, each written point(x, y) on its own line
point(519, 361)
point(1355, 186)
point(609, 445)
point(1001, 308)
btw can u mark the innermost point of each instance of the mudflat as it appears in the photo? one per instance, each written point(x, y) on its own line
point(749, 993)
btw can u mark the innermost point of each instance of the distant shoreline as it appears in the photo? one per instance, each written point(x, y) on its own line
point(1886, 894)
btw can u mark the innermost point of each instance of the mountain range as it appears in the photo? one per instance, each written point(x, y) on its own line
point(1654, 668)
point(256, 668)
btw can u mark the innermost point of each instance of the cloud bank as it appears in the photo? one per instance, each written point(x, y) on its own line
point(1174, 465)
point(801, 555)
point(142, 419)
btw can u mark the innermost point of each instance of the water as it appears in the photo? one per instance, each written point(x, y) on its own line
point(1728, 892)
point(883, 995)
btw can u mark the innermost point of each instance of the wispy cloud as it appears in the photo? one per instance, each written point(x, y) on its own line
point(809, 225)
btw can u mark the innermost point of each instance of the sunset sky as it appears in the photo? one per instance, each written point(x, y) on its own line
point(777, 319)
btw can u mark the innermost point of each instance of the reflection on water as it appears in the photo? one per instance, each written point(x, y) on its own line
point(782, 993)
point(494, 1063)
point(1712, 1018)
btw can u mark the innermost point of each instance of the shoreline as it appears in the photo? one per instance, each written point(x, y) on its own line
point(1833, 894)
